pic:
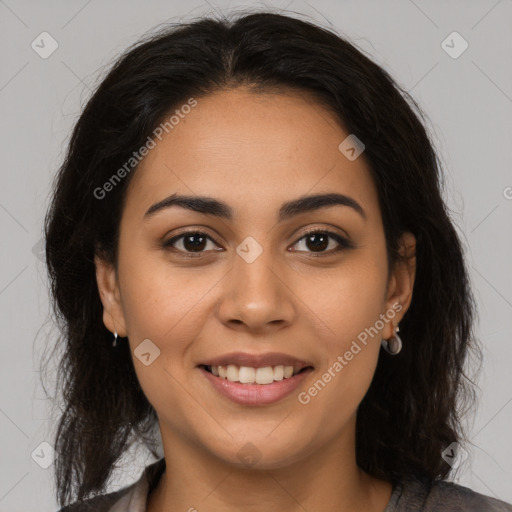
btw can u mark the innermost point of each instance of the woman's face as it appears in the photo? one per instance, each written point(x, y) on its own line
point(252, 283)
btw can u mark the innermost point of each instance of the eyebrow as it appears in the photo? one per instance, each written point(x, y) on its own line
point(212, 206)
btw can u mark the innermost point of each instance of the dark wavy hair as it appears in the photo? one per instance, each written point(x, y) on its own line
point(416, 402)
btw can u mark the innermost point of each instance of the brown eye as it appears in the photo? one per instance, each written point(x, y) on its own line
point(317, 241)
point(190, 242)
point(195, 243)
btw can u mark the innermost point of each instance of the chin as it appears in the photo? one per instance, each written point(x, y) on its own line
point(260, 453)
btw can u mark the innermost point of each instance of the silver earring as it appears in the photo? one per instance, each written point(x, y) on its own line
point(394, 344)
point(115, 339)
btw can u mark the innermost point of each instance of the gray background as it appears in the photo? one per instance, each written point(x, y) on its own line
point(469, 103)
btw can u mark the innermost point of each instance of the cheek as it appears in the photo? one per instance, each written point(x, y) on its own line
point(351, 356)
point(168, 306)
point(162, 305)
point(351, 308)
point(157, 298)
point(352, 298)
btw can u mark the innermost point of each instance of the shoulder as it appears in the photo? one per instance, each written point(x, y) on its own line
point(458, 497)
point(102, 503)
point(440, 495)
point(133, 495)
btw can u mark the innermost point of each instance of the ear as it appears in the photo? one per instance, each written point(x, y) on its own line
point(108, 287)
point(401, 282)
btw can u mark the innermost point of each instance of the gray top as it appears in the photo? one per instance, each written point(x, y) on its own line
point(410, 495)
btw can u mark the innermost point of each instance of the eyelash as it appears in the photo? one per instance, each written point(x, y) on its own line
point(343, 242)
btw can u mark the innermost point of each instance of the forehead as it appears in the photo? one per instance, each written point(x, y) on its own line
point(251, 149)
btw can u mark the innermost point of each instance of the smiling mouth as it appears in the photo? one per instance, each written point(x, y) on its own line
point(249, 375)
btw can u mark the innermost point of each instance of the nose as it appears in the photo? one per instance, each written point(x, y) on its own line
point(255, 296)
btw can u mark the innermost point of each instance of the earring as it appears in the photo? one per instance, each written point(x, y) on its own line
point(115, 339)
point(394, 344)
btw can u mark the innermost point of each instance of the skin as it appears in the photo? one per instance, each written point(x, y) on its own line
point(254, 152)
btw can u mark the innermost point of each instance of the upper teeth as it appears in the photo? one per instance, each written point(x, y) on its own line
point(248, 375)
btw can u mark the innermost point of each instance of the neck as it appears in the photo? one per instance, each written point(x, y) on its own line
point(328, 479)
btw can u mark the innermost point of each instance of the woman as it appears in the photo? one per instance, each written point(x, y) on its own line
point(248, 214)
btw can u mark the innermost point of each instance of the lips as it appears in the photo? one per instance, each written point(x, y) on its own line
point(256, 394)
point(257, 360)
